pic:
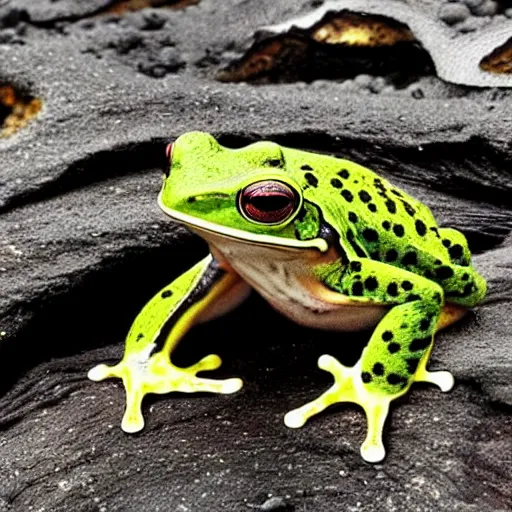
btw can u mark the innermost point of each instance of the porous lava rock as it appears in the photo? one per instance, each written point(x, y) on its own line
point(83, 246)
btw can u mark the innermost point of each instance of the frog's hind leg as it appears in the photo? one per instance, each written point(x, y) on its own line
point(456, 246)
point(450, 314)
point(396, 355)
point(461, 283)
point(203, 292)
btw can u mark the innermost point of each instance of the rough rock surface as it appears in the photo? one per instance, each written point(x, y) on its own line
point(83, 246)
point(444, 45)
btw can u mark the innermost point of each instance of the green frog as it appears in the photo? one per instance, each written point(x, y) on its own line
point(329, 244)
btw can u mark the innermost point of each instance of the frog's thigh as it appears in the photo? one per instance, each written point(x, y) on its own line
point(456, 245)
point(450, 314)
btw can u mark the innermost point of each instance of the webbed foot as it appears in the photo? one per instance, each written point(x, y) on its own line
point(349, 387)
point(142, 375)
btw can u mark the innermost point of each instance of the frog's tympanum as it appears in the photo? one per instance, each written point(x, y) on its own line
point(326, 242)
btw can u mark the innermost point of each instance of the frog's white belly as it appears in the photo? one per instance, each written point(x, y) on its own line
point(281, 277)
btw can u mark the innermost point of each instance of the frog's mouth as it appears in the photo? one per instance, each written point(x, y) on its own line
point(243, 236)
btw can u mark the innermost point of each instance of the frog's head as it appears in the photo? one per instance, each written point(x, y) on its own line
point(244, 194)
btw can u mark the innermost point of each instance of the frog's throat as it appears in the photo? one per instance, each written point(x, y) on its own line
point(237, 234)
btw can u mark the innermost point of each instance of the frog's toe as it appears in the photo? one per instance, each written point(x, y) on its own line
point(330, 364)
point(193, 384)
point(337, 393)
point(232, 385)
point(132, 424)
point(102, 372)
point(295, 419)
point(136, 388)
point(298, 417)
point(376, 408)
point(210, 362)
point(187, 381)
point(373, 452)
point(442, 379)
point(133, 421)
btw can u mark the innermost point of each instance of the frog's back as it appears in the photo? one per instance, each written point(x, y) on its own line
point(373, 215)
point(379, 221)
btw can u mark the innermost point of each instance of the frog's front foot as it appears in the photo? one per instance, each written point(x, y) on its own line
point(349, 387)
point(142, 375)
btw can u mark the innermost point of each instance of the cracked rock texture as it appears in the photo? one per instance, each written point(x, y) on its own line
point(443, 45)
point(83, 246)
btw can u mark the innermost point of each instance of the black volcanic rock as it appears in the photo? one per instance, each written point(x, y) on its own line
point(83, 246)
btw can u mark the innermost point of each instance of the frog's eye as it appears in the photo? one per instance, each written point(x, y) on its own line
point(168, 158)
point(268, 202)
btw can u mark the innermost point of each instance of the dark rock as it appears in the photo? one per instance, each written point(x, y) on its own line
point(378, 84)
point(454, 13)
point(150, 52)
point(153, 20)
point(83, 246)
point(363, 81)
point(11, 16)
point(472, 4)
point(127, 42)
point(435, 50)
point(274, 504)
point(8, 35)
point(416, 92)
point(170, 58)
point(472, 24)
point(488, 8)
point(49, 11)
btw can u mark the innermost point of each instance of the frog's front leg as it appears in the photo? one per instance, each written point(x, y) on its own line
point(396, 354)
point(146, 367)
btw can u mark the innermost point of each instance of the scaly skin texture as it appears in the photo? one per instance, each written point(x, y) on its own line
point(318, 236)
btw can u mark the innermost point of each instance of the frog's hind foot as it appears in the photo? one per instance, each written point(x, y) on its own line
point(351, 385)
point(142, 375)
point(348, 387)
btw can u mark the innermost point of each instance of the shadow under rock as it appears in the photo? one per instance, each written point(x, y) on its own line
point(98, 308)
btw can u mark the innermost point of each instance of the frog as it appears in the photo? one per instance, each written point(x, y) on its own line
point(325, 241)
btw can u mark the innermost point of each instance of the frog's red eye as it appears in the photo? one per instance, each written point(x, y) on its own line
point(168, 159)
point(168, 152)
point(268, 202)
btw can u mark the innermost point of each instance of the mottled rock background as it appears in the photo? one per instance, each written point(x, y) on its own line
point(83, 246)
